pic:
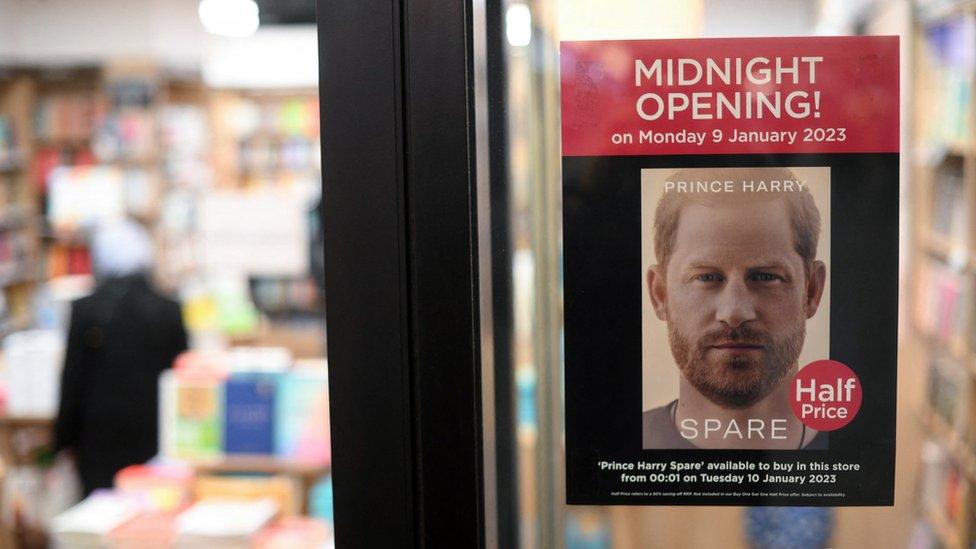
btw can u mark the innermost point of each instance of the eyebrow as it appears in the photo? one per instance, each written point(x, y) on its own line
point(768, 265)
point(701, 265)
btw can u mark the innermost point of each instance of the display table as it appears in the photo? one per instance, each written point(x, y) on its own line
point(305, 474)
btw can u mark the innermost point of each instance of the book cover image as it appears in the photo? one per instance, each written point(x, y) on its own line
point(302, 416)
point(198, 409)
point(249, 406)
point(737, 298)
point(730, 237)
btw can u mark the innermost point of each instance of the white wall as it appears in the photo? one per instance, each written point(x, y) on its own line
point(839, 17)
point(760, 17)
point(6, 29)
point(628, 19)
point(87, 31)
point(167, 32)
point(593, 19)
point(274, 57)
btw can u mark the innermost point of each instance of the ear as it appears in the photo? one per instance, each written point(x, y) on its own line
point(815, 287)
point(657, 288)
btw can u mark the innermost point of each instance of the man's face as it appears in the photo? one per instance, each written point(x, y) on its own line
point(736, 298)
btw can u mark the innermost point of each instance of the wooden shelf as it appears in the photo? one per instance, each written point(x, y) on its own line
point(17, 278)
point(25, 421)
point(941, 242)
point(946, 247)
point(953, 442)
point(958, 349)
point(10, 167)
point(259, 464)
point(943, 529)
point(14, 218)
point(929, 158)
point(307, 474)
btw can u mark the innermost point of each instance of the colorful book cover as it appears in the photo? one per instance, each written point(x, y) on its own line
point(302, 417)
point(249, 403)
point(191, 406)
point(198, 410)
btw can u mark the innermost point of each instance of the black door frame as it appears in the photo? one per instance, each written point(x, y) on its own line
point(400, 221)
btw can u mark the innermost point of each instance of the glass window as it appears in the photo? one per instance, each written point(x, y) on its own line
point(933, 495)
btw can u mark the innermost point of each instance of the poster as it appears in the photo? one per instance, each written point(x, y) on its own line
point(260, 232)
point(730, 257)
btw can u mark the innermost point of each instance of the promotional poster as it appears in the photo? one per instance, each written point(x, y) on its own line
point(730, 237)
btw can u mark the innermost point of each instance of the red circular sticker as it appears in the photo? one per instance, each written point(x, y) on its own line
point(825, 395)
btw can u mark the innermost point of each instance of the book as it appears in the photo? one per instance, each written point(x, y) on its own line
point(294, 533)
point(302, 415)
point(219, 523)
point(192, 409)
point(949, 213)
point(86, 524)
point(149, 530)
point(946, 390)
point(944, 302)
point(249, 404)
point(33, 370)
point(321, 504)
point(251, 487)
point(162, 487)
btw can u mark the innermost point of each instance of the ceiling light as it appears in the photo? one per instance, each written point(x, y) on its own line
point(518, 25)
point(232, 18)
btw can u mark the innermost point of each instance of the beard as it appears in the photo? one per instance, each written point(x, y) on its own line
point(737, 381)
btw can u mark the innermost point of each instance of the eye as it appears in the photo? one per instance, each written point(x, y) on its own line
point(764, 277)
point(708, 277)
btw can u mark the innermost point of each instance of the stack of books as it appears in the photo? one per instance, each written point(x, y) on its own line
point(227, 524)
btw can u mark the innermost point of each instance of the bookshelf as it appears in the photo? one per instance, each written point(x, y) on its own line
point(266, 137)
point(94, 131)
point(141, 126)
point(22, 439)
point(166, 142)
point(72, 119)
point(159, 133)
point(19, 243)
point(269, 139)
point(943, 268)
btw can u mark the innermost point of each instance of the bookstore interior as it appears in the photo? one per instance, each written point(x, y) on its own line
point(200, 136)
point(133, 121)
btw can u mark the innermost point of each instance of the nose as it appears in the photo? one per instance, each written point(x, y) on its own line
point(735, 304)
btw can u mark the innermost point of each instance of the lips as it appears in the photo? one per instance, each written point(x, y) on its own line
point(737, 346)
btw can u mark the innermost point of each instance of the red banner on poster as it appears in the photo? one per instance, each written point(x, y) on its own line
point(730, 96)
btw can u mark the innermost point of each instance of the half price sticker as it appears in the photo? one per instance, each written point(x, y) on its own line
point(826, 395)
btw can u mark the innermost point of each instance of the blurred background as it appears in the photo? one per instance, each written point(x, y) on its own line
point(198, 121)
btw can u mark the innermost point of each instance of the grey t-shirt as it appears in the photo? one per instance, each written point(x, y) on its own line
point(660, 432)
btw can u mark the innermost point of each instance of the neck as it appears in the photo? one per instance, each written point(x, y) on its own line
point(767, 424)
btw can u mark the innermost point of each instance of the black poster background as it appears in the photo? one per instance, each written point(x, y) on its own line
point(602, 298)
